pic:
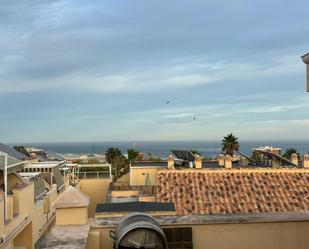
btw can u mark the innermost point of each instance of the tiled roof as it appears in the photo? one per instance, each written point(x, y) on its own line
point(234, 191)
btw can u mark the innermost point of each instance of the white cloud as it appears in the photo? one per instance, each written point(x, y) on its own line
point(178, 115)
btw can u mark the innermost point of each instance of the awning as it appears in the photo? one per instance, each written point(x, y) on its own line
point(58, 178)
point(13, 164)
point(39, 187)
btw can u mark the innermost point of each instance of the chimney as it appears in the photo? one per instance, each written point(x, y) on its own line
point(228, 162)
point(306, 161)
point(305, 59)
point(170, 162)
point(72, 207)
point(221, 160)
point(276, 163)
point(198, 162)
point(294, 158)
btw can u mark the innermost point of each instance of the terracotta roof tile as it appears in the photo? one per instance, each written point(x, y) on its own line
point(231, 192)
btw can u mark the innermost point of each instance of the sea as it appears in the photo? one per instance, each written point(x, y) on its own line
point(163, 148)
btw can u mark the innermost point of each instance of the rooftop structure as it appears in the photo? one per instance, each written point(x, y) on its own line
point(234, 191)
point(192, 205)
point(131, 207)
point(50, 172)
point(41, 187)
point(26, 211)
point(46, 165)
point(71, 197)
point(271, 157)
point(12, 152)
point(12, 164)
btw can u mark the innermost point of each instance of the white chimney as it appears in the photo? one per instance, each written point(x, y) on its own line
point(306, 161)
point(198, 162)
point(221, 160)
point(228, 162)
point(294, 158)
point(170, 162)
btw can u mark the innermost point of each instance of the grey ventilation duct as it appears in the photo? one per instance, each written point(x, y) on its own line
point(139, 231)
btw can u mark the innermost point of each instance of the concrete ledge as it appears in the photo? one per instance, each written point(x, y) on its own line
point(213, 219)
point(68, 237)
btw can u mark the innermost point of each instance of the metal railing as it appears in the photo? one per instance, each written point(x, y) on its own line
point(144, 190)
point(93, 175)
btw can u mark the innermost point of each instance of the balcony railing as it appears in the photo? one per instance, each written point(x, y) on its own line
point(93, 175)
point(143, 190)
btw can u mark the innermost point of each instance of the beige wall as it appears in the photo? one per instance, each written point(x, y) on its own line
point(24, 239)
point(13, 179)
point(72, 216)
point(26, 212)
point(285, 235)
point(39, 219)
point(147, 198)
point(279, 235)
point(22, 205)
point(93, 240)
point(138, 176)
point(24, 200)
point(127, 193)
point(97, 190)
point(1, 217)
point(106, 242)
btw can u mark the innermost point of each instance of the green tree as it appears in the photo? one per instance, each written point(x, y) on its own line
point(257, 157)
point(117, 160)
point(132, 155)
point(111, 153)
point(230, 144)
point(288, 153)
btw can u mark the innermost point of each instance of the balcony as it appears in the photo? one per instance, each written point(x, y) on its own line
point(93, 175)
point(123, 192)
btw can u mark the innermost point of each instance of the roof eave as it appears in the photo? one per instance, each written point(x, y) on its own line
point(305, 58)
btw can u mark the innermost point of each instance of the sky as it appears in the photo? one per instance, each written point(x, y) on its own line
point(77, 71)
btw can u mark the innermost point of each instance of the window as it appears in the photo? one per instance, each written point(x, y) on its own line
point(179, 237)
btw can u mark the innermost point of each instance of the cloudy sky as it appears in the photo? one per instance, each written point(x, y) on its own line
point(104, 70)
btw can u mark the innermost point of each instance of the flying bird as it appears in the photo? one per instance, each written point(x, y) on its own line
point(167, 102)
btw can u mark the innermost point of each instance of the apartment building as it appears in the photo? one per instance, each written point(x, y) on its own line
point(26, 208)
point(179, 204)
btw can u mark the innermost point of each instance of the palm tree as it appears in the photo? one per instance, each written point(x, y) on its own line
point(288, 153)
point(230, 144)
point(117, 160)
point(132, 155)
point(111, 153)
